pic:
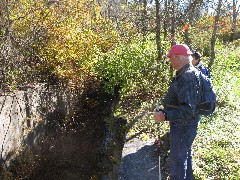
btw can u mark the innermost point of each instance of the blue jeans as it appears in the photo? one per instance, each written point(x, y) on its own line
point(181, 139)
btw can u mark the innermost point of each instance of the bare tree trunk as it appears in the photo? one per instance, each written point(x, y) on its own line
point(173, 40)
point(144, 20)
point(158, 29)
point(166, 17)
point(5, 45)
point(173, 25)
point(187, 39)
point(213, 39)
point(234, 20)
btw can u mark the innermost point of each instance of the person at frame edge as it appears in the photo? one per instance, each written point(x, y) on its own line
point(179, 107)
point(198, 63)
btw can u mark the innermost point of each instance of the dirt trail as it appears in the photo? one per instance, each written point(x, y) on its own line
point(139, 161)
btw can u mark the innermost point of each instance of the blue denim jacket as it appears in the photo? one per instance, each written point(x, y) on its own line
point(183, 95)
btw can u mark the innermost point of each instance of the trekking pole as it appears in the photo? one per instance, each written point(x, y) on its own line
point(158, 148)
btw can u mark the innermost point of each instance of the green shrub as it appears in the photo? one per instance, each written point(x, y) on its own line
point(217, 148)
point(134, 67)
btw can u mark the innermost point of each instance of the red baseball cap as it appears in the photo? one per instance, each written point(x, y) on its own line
point(179, 49)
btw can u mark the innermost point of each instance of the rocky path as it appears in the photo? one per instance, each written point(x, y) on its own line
point(139, 161)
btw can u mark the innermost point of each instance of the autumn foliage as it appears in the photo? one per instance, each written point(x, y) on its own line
point(66, 37)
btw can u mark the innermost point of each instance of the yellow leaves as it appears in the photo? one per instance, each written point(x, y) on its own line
point(74, 41)
point(74, 75)
point(68, 33)
point(145, 136)
point(131, 133)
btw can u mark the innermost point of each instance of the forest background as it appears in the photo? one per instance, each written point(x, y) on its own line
point(82, 44)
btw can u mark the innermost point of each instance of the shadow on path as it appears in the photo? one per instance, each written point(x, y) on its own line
point(139, 161)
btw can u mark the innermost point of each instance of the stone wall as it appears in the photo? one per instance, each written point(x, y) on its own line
point(20, 113)
point(48, 131)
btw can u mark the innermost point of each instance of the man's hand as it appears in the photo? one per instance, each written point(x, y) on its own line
point(159, 116)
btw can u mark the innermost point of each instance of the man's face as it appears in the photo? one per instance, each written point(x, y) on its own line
point(174, 60)
point(194, 61)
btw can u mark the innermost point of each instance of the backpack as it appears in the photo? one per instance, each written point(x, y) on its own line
point(207, 103)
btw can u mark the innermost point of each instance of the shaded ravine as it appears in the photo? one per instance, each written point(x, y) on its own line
point(70, 140)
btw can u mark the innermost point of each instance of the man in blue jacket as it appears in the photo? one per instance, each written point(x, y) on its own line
point(198, 63)
point(179, 109)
